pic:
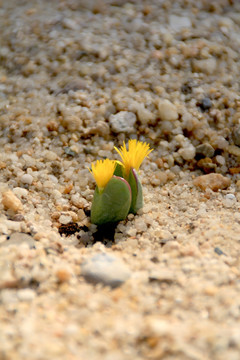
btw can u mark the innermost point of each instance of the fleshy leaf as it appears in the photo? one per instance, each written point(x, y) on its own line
point(113, 203)
point(136, 187)
point(118, 169)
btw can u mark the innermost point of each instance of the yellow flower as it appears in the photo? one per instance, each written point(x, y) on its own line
point(134, 156)
point(102, 172)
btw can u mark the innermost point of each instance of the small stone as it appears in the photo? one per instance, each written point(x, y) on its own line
point(207, 66)
point(167, 111)
point(144, 115)
point(188, 152)
point(229, 200)
point(19, 238)
point(106, 269)
point(18, 217)
point(230, 197)
point(212, 181)
point(205, 150)
point(166, 276)
point(27, 179)
point(123, 121)
point(236, 135)
point(11, 202)
point(3, 165)
point(178, 23)
point(207, 165)
point(69, 152)
point(220, 160)
point(205, 104)
point(63, 274)
point(50, 155)
point(234, 150)
point(20, 192)
point(52, 126)
point(65, 219)
point(218, 251)
point(211, 290)
point(26, 294)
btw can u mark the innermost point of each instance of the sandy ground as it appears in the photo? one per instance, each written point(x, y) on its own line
point(76, 79)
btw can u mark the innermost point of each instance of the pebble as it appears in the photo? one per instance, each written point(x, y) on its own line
point(205, 149)
point(105, 269)
point(236, 135)
point(63, 274)
point(167, 111)
point(123, 121)
point(11, 202)
point(234, 150)
point(20, 192)
point(205, 104)
point(65, 219)
point(188, 152)
point(27, 179)
point(163, 275)
point(229, 200)
point(26, 294)
point(207, 66)
point(18, 238)
point(212, 181)
point(178, 23)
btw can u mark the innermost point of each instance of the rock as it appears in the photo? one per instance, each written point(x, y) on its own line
point(212, 181)
point(236, 135)
point(7, 278)
point(144, 115)
point(18, 238)
point(234, 150)
point(123, 121)
point(26, 294)
point(27, 179)
point(11, 202)
point(188, 152)
point(205, 104)
point(63, 274)
point(65, 219)
point(20, 192)
point(207, 66)
point(50, 155)
point(207, 165)
point(166, 276)
point(167, 111)
point(229, 200)
point(205, 149)
point(178, 23)
point(106, 269)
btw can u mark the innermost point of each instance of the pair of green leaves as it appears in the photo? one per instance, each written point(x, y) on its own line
point(120, 197)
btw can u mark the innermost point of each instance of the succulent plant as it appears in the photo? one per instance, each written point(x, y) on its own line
point(119, 190)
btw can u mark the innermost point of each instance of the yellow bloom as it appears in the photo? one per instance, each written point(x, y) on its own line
point(134, 156)
point(102, 172)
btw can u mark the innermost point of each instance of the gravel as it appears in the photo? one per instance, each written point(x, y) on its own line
point(76, 79)
point(106, 269)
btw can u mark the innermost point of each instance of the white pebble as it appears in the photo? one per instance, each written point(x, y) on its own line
point(179, 22)
point(27, 179)
point(50, 155)
point(167, 111)
point(65, 219)
point(20, 192)
point(26, 294)
point(123, 121)
point(230, 197)
point(187, 153)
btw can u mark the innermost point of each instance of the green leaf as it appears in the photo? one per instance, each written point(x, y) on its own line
point(136, 187)
point(113, 203)
point(118, 170)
